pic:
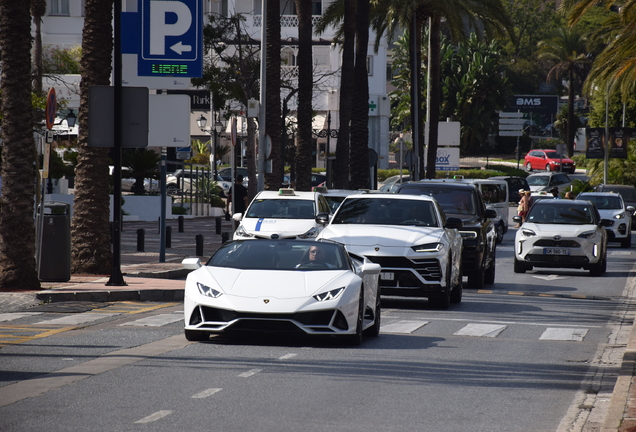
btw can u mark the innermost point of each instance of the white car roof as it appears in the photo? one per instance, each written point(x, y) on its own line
point(392, 196)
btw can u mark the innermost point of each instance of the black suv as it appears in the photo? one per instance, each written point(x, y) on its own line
point(464, 201)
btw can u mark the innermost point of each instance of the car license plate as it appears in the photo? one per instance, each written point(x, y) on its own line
point(555, 251)
point(387, 276)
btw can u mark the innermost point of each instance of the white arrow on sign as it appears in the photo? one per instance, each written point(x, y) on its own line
point(180, 48)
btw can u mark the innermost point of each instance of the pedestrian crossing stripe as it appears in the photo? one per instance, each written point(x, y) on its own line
point(130, 307)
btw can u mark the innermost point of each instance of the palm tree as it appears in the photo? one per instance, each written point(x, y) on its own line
point(360, 102)
point(616, 65)
point(273, 125)
point(143, 164)
point(38, 9)
point(305, 85)
point(460, 17)
point(90, 231)
point(345, 11)
point(17, 231)
point(566, 48)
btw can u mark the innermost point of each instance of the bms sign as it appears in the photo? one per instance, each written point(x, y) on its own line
point(533, 103)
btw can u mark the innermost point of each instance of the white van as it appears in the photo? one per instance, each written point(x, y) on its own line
point(495, 195)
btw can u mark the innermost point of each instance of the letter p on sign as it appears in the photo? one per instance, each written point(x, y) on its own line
point(167, 18)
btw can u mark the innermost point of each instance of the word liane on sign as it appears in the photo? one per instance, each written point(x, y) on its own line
point(173, 69)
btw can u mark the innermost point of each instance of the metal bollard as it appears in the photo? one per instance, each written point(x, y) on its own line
point(199, 242)
point(180, 219)
point(218, 225)
point(225, 236)
point(168, 237)
point(141, 236)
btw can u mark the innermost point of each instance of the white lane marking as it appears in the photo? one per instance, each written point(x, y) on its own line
point(16, 315)
point(564, 334)
point(75, 319)
point(155, 320)
point(206, 393)
point(287, 356)
point(402, 327)
point(154, 417)
point(481, 330)
point(619, 253)
point(249, 373)
point(516, 322)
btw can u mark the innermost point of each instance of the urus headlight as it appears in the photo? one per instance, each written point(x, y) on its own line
point(587, 234)
point(428, 247)
point(240, 231)
point(468, 234)
point(207, 291)
point(528, 232)
point(312, 233)
point(329, 295)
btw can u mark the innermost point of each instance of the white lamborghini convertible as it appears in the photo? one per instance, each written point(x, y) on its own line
point(282, 286)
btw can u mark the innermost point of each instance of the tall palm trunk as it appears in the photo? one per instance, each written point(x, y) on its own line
point(360, 107)
point(571, 128)
point(38, 9)
point(17, 230)
point(346, 96)
point(305, 84)
point(434, 93)
point(273, 123)
point(90, 232)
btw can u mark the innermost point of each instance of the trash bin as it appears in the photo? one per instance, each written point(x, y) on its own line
point(54, 249)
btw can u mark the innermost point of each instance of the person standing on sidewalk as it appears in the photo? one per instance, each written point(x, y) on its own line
point(240, 196)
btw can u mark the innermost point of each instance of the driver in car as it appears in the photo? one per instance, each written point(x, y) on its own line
point(317, 255)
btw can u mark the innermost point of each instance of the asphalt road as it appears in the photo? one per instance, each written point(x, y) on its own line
point(533, 352)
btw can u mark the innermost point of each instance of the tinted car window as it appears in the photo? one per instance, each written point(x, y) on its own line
point(386, 212)
point(282, 209)
point(565, 213)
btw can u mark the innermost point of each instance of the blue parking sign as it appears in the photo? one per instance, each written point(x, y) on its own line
point(171, 38)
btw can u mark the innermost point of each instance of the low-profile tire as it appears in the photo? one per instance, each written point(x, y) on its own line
point(489, 274)
point(529, 167)
point(597, 269)
point(443, 300)
point(356, 339)
point(627, 241)
point(374, 330)
point(499, 231)
point(458, 290)
point(196, 335)
point(519, 267)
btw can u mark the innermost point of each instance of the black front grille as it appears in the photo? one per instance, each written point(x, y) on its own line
point(256, 325)
point(428, 269)
point(554, 259)
point(305, 318)
point(557, 243)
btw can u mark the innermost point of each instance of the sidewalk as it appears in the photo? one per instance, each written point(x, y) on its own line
point(146, 278)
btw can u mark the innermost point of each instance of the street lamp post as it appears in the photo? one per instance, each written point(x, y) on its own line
point(218, 128)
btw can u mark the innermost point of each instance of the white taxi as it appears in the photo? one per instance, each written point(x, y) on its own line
point(283, 214)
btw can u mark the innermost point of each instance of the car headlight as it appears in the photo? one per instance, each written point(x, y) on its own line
point(428, 247)
point(207, 291)
point(468, 234)
point(312, 233)
point(587, 234)
point(329, 295)
point(240, 231)
point(619, 216)
point(528, 232)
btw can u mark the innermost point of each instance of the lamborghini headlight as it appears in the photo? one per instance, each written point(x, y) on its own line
point(587, 234)
point(207, 291)
point(329, 295)
point(312, 233)
point(240, 231)
point(428, 247)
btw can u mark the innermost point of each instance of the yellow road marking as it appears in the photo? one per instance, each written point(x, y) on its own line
point(6, 338)
point(133, 307)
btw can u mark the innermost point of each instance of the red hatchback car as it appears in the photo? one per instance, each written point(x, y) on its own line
point(548, 160)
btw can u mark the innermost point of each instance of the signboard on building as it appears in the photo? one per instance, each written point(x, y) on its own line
point(539, 104)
